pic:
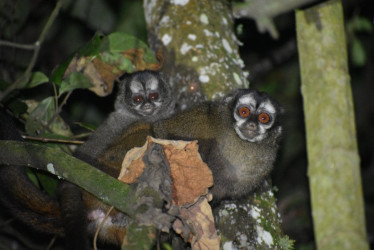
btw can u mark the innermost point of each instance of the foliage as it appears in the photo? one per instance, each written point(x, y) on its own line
point(272, 65)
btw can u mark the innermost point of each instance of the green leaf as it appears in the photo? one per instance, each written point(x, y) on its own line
point(362, 24)
point(42, 180)
point(40, 116)
point(117, 60)
point(36, 79)
point(358, 53)
point(32, 176)
point(120, 42)
point(48, 182)
point(59, 72)
point(43, 121)
point(75, 80)
point(92, 48)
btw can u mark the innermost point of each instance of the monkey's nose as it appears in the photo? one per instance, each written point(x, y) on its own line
point(147, 106)
point(251, 126)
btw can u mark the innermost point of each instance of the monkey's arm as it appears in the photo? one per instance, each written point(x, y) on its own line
point(195, 123)
point(103, 136)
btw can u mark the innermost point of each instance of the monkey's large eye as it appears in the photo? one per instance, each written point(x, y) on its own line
point(244, 112)
point(264, 118)
point(138, 99)
point(153, 96)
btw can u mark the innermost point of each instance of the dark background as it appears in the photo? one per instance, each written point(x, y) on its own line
point(273, 67)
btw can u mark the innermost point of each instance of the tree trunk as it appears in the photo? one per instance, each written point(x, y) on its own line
point(202, 62)
point(334, 165)
point(200, 49)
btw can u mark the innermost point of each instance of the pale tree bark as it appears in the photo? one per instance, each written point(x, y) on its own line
point(199, 45)
point(334, 164)
point(202, 62)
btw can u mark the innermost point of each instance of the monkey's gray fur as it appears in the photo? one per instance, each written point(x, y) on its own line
point(238, 139)
point(142, 96)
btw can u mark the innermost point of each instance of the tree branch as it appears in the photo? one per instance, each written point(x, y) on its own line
point(20, 154)
point(334, 164)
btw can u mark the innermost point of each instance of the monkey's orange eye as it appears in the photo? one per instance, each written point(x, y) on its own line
point(244, 112)
point(153, 96)
point(264, 118)
point(138, 99)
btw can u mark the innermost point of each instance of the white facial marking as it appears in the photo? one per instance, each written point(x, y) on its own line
point(239, 133)
point(247, 100)
point(240, 122)
point(261, 129)
point(267, 106)
point(151, 84)
point(157, 104)
point(136, 86)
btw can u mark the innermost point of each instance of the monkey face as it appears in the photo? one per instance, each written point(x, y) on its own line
point(145, 93)
point(254, 115)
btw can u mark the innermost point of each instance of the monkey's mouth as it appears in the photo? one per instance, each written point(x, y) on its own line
point(147, 111)
point(249, 134)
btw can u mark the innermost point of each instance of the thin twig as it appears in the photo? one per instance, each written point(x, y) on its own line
point(100, 226)
point(43, 139)
point(17, 45)
point(37, 44)
point(52, 242)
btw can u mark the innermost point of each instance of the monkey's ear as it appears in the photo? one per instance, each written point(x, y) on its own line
point(230, 96)
point(123, 78)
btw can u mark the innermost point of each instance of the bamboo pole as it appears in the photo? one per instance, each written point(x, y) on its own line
point(334, 164)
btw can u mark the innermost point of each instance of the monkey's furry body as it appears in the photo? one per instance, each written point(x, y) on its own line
point(142, 96)
point(238, 139)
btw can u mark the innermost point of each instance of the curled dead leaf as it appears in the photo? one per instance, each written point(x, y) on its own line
point(191, 179)
point(102, 72)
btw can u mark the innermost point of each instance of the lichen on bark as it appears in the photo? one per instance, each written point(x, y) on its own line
point(334, 164)
point(202, 62)
point(252, 223)
point(200, 47)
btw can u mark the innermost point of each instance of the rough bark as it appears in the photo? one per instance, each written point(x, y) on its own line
point(202, 62)
point(334, 164)
point(199, 46)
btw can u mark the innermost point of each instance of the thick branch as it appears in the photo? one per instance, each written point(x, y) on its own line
point(69, 168)
point(334, 164)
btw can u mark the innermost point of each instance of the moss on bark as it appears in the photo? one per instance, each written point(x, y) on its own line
point(334, 164)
